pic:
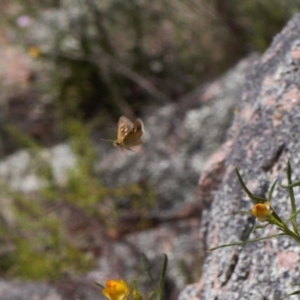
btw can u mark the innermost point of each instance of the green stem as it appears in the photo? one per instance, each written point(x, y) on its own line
point(162, 278)
point(292, 234)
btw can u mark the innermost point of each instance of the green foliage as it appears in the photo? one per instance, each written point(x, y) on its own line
point(40, 257)
point(270, 216)
point(260, 21)
point(38, 244)
point(118, 289)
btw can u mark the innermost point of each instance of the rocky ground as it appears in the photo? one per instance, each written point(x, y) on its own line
point(263, 136)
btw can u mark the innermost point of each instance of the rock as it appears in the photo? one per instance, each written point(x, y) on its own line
point(264, 134)
point(41, 291)
point(19, 170)
point(14, 291)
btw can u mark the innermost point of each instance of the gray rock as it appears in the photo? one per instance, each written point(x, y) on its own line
point(264, 134)
point(19, 170)
point(65, 290)
point(30, 291)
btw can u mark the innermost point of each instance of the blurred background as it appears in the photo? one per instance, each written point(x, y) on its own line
point(70, 68)
point(96, 60)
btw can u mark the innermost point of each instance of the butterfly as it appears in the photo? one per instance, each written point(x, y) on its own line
point(129, 134)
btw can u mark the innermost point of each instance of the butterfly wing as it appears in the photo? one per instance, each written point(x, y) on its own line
point(124, 128)
point(133, 138)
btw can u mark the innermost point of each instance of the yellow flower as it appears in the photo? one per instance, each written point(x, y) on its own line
point(116, 290)
point(34, 52)
point(261, 211)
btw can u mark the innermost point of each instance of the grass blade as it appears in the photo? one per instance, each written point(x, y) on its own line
point(162, 278)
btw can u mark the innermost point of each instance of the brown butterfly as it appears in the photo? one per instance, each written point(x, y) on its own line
point(129, 134)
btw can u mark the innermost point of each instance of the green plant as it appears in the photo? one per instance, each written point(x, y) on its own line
point(119, 290)
point(264, 212)
point(39, 244)
point(35, 246)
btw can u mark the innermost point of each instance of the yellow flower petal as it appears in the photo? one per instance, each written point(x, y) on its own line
point(261, 210)
point(34, 52)
point(116, 290)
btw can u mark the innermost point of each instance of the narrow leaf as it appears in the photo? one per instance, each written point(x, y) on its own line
point(162, 278)
point(291, 294)
point(246, 242)
point(244, 212)
point(271, 190)
point(293, 216)
point(290, 185)
point(292, 197)
point(242, 183)
point(147, 265)
point(261, 226)
point(98, 284)
point(274, 214)
point(256, 199)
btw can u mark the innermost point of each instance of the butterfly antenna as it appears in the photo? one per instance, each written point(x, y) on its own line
point(105, 140)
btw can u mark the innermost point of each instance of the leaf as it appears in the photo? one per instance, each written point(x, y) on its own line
point(256, 199)
point(261, 226)
point(292, 197)
point(100, 285)
point(162, 278)
point(147, 265)
point(291, 294)
point(242, 183)
point(244, 212)
point(276, 217)
point(293, 216)
point(246, 242)
point(290, 185)
point(271, 190)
